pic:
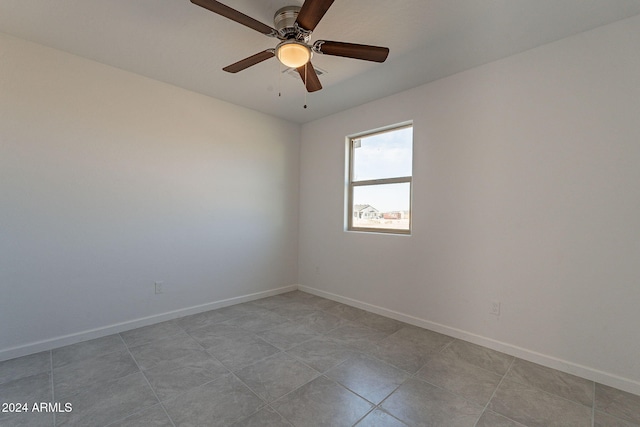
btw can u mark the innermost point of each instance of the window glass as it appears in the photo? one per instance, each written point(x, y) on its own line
point(382, 206)
point(383, 155)
point(380, 181)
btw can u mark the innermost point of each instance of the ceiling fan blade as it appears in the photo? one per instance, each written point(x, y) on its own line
point(224, 10)
point(312, 12)
point(248, 62)
point(309, 77)
point(352, 50)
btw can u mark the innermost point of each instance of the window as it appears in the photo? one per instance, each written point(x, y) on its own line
point(380, 171)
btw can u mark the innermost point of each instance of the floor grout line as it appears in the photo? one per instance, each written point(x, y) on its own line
point(557, 396)
point(229, 372)
point(53, 392)
point(148, 383)
point(593, 406)
point(495, 390)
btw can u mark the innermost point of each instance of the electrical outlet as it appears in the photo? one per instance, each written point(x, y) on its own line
point(159, 287)
point(495, 308)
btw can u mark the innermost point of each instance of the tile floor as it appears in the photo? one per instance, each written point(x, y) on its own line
point(297, 359)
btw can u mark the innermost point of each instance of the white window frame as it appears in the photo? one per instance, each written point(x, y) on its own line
point(395, 180)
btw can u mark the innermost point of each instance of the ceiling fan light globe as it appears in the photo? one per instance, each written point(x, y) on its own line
point(293, 54)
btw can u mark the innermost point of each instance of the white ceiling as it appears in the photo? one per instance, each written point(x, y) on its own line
point(177, 42)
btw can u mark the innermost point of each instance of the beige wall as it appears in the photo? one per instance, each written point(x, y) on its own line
point(110, 181)
point(526, 191)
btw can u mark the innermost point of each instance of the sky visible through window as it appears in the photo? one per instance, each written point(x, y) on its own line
point(384, 155)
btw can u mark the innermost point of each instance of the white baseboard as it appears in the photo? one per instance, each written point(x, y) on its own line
point(50, 344)
point(592, 374)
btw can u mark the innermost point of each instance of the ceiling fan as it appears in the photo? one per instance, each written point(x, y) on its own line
point(293, 27)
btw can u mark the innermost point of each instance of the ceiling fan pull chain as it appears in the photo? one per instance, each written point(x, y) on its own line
point(305, 84)
point(279, 79)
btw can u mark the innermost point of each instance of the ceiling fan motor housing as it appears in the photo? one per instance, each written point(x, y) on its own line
point(285, 22)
